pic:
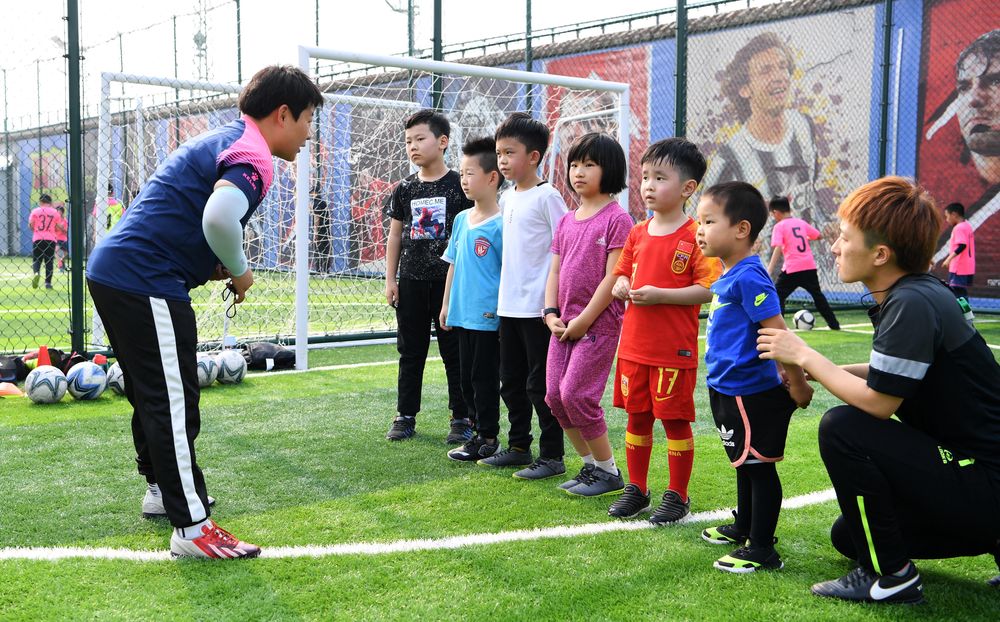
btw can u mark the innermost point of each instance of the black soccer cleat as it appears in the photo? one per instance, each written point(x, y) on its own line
point(671, 509)
point(863, 585)
point(631, 504)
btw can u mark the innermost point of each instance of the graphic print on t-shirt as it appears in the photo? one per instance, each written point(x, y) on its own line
point(428, 219)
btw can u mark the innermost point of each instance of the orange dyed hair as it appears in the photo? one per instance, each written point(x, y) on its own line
point(898, 213)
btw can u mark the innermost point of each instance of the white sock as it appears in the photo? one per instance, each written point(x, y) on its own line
point(607, 465)
point(194, 531)
point(154, 489)
point(588, 459)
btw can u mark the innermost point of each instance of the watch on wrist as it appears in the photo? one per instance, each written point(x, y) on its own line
point(548, 310)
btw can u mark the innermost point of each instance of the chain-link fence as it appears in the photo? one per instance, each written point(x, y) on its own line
point(806, 99)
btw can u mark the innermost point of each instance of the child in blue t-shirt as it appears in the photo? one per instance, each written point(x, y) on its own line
point(470, 296)
point(751, 404)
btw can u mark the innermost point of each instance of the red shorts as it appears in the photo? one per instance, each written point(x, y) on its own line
point(667, 392)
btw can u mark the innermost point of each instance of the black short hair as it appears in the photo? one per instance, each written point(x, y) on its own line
point(484, 149)
point(779, 204)
point(275, 85)
point(955, 208)
point(437, 122)
point(740, 201)
point(523, 128)
point(681, 154)
point(60, 208)
point(44, 198)
point(606, 153)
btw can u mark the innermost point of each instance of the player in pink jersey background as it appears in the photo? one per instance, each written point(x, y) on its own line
point(790, 239)
point(961, 259)
point(43, 222)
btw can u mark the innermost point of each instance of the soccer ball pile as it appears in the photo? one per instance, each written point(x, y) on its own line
point(804, 320)
point(228, 367)
point(87, 381)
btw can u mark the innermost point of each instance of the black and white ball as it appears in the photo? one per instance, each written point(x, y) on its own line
point(804, 319)
point(208, 370)
point(45, 384)
point(232, 366)
point(116, 379)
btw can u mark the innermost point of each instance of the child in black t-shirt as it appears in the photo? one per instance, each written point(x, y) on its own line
point(422, 209)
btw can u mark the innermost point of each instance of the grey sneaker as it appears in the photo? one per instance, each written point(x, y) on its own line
point(598, 482)
point(587, 468)
point(512, 456)
point(543, 468)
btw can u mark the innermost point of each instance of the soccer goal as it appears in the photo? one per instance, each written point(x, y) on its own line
point(346, 173)
point(333, 196)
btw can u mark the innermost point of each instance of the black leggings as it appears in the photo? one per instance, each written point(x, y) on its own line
point(902, 495)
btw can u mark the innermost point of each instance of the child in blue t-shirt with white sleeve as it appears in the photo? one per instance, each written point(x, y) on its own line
point(470, 296)
point(751, 403)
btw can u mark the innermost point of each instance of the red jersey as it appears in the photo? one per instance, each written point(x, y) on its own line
point(664, 335)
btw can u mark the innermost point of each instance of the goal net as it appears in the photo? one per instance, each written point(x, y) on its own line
point(333, 196)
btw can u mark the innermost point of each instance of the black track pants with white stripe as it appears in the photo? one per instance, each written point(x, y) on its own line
point(155, 342)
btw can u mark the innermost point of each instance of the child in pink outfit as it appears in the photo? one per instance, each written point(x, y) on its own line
point(790, 239)
point(584, 317)
point(961, 259)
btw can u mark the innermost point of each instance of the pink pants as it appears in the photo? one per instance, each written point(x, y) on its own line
point(576, 375)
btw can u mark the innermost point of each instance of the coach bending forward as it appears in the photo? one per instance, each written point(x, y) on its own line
point(927, 485)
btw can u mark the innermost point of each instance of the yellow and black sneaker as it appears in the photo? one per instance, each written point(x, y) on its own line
point(746, 559)
point(724, 534)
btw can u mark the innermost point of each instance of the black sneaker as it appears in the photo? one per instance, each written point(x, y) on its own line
point(725, 534)
point(475, 449)
point(671, 509)
point(461, 432)
point(512, 456)
point(630, 504)
point(863, 585)
point(402, 428)
point(582, 475)
point(746, 559)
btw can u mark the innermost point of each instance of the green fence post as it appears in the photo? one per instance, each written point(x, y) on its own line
point(680, 98)
point(883, 133)
point(76, 196)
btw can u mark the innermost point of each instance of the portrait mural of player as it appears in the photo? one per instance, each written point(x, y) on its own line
point(959, 147)
point(786, 107)
point(622, 65)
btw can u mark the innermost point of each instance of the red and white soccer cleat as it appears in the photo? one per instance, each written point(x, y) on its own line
point(214, 543)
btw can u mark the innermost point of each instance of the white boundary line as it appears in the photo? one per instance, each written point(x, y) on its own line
point(403, 546)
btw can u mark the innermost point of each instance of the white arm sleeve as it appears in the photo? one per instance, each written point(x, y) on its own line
point(222, 228)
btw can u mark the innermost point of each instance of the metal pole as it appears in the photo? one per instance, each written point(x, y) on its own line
point(7, 170)
point(883, 132)
point(527, 51)
point(38, 97)
point(316, 40)
point(177, 91)
point(75, 179)
point(411, 44)
point(121, 60)
point(239, 44)
point(438, 54)
point(680, 101)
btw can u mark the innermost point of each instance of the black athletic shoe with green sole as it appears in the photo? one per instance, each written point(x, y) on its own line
point(745, 560)
point(725, 534)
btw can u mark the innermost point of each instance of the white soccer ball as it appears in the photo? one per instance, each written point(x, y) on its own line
point(45, 384)
point(804, 319)
point(116, 379)
point(232, 366)
point(86, 381)
point(208, 370)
